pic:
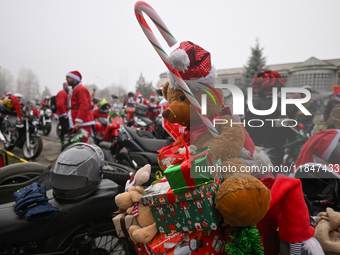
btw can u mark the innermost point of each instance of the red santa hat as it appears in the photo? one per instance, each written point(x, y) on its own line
point(74, 75)
point(8, 93)
point(193, 64)
point(138, 94)
point(321, 145)
point(294, 222)
point(153, 95)
point(336, 89)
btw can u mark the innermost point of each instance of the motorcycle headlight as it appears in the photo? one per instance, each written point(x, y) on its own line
point(35, 123)
point(48, 112)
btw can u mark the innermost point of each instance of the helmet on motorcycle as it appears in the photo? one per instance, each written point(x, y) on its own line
point(266, 80)
point(77, 172)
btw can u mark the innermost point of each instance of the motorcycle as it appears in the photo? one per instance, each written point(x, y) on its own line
point(132, 110)
point(24, 135)
point(45, 124)
point(81, 227)
point(107, 128)
point(136, 148)
point(154, 127)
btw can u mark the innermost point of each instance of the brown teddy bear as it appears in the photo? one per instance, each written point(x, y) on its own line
point(242, 199)
point(131, 202)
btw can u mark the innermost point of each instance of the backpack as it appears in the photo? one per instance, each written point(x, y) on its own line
point(53, 104)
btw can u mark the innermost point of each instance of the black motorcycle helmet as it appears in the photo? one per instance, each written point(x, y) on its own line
point(77, 172)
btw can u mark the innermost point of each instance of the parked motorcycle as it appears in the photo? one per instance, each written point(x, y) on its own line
point(132, 110)
point(45, 124)
point(136, 148)
point(80, 227)
point(154, 127)
point(107, 128)
point(24, 135)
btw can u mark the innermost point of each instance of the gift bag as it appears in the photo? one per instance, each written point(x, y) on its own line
point(193, 210)
point(123, 222)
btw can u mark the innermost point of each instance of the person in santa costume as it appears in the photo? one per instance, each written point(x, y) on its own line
point(62, 110)
point(140, 99)
point(153, 108)
point(12, 104)
point(80, 115)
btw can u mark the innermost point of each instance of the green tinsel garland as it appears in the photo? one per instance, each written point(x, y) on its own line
point(244, 241)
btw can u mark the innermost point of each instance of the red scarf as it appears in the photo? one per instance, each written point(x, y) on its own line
point(193, 132)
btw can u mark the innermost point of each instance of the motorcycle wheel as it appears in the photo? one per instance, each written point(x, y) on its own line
point(33, 153)
point(6, 133)
point(47, 129)
point(58, 130)
point(100, 238)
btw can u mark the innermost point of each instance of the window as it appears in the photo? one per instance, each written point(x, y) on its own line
point(237, 81)
point(224, 81)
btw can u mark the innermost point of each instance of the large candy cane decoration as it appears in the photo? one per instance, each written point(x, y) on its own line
point(141, 7)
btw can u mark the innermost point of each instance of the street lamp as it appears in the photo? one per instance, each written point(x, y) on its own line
point(97, 77)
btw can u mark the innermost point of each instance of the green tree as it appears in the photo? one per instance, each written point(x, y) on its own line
point(46, 92)
point(255, 64)
point(6, 80)
point(144, 87)
point(28, 84)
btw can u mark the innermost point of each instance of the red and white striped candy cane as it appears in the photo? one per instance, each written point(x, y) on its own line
point(141, 7)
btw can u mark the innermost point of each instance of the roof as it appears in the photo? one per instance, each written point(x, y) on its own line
point(313, 62)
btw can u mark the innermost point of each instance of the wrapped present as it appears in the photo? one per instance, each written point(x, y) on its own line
point(123, 222)
point(191, 170)
point(188, 211)
point(193, 242)
point(163, 154)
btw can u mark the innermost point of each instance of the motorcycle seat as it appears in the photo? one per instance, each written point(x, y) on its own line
point(99, 205)
point(145, 141)
point(147, 121)
point(103, 121)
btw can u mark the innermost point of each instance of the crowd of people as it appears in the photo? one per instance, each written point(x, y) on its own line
point(75, 103)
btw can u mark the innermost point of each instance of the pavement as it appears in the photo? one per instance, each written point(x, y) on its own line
point(50, 152)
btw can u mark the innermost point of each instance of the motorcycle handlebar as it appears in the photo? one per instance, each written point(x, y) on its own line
point(300, 140)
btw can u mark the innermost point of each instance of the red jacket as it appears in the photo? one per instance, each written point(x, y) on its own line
point(81, 106)
point(62, 103)
point(16, 105)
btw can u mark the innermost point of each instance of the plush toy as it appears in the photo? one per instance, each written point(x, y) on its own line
point(242, 199)
point(131, 202)
point(327, 231)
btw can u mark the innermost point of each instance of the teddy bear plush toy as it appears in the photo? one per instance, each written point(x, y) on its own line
point(130, 201)
point(242, 199)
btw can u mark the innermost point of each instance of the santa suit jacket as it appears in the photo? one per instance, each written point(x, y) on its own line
point(62, 103)
point(80, 107)
point(141, 100)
